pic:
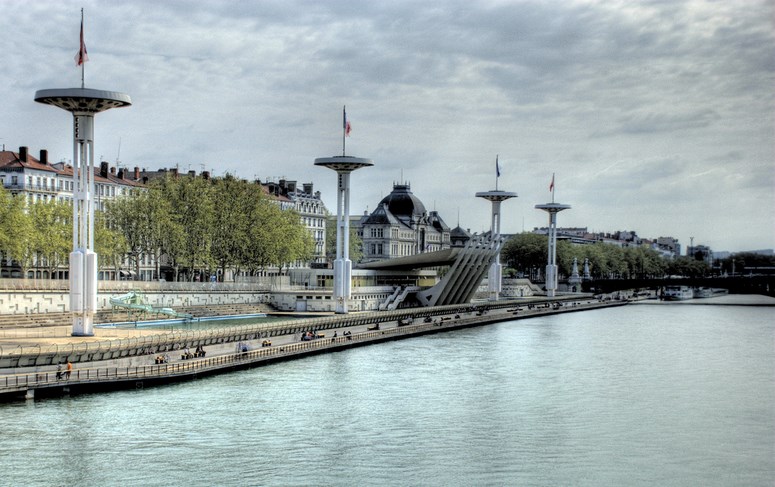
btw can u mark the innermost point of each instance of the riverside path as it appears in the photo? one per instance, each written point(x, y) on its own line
point(153, 357)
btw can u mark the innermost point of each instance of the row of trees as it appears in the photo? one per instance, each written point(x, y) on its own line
point(204, 225)
point(198, 225)
point(526, 253)
point(39, 234)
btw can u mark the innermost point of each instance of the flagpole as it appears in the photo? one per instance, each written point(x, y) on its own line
point(83, 65)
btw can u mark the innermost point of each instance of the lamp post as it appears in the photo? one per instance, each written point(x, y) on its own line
point(83, 103)
point(343, 165)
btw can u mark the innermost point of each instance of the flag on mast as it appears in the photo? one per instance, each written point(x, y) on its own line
point(81, 56)
point(345, 124)
point(497, 167)
point(551, 185)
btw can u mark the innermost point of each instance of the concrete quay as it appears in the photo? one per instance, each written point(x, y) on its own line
point(130, 363)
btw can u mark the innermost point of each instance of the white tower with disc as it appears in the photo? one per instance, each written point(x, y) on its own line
point(83, 103)
point(343, 166)
point(495, 275)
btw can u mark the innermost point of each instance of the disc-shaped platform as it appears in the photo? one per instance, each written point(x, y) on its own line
point(343, 163)
point(83, 99)
point(552, 207)
point(496, 195)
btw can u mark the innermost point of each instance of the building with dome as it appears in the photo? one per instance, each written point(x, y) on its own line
point(400, 226)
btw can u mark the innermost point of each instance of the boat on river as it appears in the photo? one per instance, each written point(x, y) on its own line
point(677, 293)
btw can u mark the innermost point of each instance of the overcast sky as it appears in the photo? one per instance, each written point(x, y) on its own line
point(656, 116)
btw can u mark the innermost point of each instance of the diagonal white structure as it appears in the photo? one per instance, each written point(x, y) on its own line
point(495, 276)
point(83, 103)
point(343, 166)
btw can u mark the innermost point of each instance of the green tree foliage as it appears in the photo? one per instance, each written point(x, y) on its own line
point(53, 240)
point(356, 243)
point(527, 253)
point(688, 267)
point(128, 216)
point(201, 226)
point(18, 235)
point(737, 263)
point(110, 244)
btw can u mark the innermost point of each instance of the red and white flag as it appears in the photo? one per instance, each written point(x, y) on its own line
point(345, 123)
point(81, 56)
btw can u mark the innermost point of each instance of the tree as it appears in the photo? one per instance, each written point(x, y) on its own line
point(356, 243)
point(53, 235)
point(110, 244)
point(231, 228)
point(129, 216)
point(527, 253)
point(18, 236)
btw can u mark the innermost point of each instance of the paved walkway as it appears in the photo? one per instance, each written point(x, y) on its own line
point(220, 356)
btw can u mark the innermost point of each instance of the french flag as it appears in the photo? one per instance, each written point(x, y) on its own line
point(81, 56)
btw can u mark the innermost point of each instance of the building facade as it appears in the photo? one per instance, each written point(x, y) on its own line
point(40, 180)
point(401, 226)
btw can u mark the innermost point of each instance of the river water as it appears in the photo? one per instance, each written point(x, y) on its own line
point(636, 395)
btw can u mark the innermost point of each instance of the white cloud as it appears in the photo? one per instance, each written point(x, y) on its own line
point(656, 116)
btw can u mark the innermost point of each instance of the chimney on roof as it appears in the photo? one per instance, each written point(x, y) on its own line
point(308, 188)
point(104, 169)
point(113, 170)
point(174, 172)
point(291, 186)
point(206, 175)
point(23, 154)
point(192, 173)
point(44, 156)
point(121, 173)
point(137, 173)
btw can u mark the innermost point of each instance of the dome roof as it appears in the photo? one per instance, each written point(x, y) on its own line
point(402, 203)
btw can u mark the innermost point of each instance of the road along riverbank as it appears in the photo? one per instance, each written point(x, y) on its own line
point(153, 359)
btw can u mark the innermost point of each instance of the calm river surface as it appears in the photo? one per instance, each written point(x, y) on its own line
point(637, 395)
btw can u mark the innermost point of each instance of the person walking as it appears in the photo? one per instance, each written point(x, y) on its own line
point(69, 370)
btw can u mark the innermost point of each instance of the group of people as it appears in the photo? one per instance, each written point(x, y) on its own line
point(310, 335)
point(199, 352)
point(66, 373)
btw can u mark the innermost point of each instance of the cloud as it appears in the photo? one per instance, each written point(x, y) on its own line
point(649, 112)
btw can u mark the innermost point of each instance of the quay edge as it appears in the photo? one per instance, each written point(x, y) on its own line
point(36, 382)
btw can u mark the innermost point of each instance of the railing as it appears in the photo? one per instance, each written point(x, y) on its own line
point(146, 286)
point(107, 374)
point(49, 354)
point(190, 367)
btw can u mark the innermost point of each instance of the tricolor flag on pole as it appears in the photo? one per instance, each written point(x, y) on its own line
point(345, 124)
point(345, 128)
point(497, 172)
point(81, 56)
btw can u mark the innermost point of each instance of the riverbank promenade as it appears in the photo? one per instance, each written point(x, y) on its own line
point(134, 358)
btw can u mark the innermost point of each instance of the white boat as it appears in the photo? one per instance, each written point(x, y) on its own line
point(703, 292)
point(677, 293)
